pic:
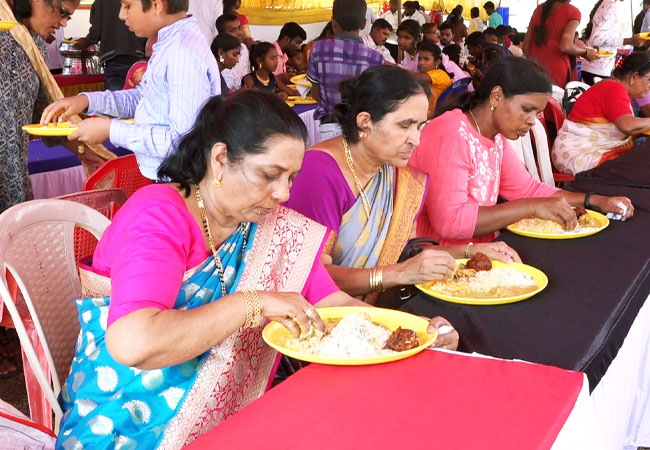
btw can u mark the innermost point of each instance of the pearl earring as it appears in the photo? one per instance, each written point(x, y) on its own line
point(221, 60)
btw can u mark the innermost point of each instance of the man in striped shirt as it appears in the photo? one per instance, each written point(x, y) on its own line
point(333, 60)
point(182, 74)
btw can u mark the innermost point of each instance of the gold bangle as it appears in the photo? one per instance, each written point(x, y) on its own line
point(257, 309)
point(253, 309)
point(249, 309)
point(379, 274)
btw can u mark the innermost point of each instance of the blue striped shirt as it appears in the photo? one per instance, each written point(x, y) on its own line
point(182, 74)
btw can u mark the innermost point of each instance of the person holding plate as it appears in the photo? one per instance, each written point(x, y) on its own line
point(470, 163)
point(185, 276)
point(361, 187)
point(602, 124)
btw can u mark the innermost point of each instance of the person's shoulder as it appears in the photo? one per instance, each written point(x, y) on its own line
point(320, 163)
point(571, 11)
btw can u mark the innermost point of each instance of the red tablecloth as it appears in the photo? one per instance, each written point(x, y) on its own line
point(70, 80)
point(433, 400)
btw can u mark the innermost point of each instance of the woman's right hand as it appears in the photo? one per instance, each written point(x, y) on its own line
point(428, 265)
point(291, 310)
point(62, 110)
point(556, 209)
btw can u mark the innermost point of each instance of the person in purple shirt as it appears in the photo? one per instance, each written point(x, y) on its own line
point(333, 60)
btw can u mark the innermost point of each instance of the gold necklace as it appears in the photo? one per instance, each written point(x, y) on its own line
point(206, 227)
point(475, 122)
point(350, 161)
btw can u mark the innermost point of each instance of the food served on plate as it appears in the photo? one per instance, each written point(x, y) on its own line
point(478, 279)
point(586, 223)
point(354, 336)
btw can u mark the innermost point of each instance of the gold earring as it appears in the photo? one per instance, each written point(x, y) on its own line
point(492, 107)
point(362, 134)
point(260, 66)
point(216, 182)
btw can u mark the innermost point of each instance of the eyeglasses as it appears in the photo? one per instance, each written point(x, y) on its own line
point(63, 12)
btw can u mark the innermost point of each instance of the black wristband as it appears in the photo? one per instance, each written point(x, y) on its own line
point(587, 197)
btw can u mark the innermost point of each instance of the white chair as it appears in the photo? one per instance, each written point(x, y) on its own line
point(540, 168)
point(557, 93)
point(37, 248)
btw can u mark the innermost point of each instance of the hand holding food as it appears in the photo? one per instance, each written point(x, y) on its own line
point(62, 110)
point(592, 54)
point(427, 265)
point(291, 310)
point(495, 250)
point(556, 209)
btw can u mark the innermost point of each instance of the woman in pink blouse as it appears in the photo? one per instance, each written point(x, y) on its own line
point(470, 163)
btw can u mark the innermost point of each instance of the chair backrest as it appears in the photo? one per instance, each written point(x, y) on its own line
point(125, 172)
point(572, 91)
point(107, 202)
point(456, 88)
point(536, 158)
point(36, 247)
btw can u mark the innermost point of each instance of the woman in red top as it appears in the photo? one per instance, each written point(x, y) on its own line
point(602, 125)
point(550, 40)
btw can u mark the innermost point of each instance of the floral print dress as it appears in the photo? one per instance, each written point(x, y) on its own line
point(22, 100)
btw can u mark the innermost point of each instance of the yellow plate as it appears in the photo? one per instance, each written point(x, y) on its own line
point(276, 335)
point(6, 25)
point(644, 35)
point(540, 278)
point(604, 222)
point(298, 100)
point(128, 120)
point(301, 80)
point(292, 104)
point(606, 54)
point(60, 129)
point(291, 86)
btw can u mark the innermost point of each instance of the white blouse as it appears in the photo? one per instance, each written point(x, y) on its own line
point(606, 35)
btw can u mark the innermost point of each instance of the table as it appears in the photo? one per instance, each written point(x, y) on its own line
point(306, 113)
point(592, 307)
point(435, 399)
point(56, 171)
point(630, 169)
point(74, 84)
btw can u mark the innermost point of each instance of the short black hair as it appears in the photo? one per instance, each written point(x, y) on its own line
point(292, 53)
point(503, 30)
point(412, 27)
point(349, 14)
point(488, 5)
point(245, 121)
point(429, 26)
point(378, 91)
point(224, 42)
point(446, 26)
point(292, 30)
point(173, 6)
point(474, 12)
point(476, 39)
point(489, 31)
point(383, 23)
point(453, 51)
point(518, 38)
point(222, 20)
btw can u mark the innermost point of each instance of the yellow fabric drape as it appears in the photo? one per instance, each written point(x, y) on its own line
point(279, 12)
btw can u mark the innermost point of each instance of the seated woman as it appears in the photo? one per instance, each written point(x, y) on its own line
point(226, 50)
point(186, 275)
point(264, 60)
point(470, 163)
point(360, 186)
point(602, 125)
point(432, 72)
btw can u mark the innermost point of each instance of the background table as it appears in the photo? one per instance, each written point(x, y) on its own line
point(74, 84)
point(433, 400)
point(631, 169)
point(306, 113)
point(597, 288)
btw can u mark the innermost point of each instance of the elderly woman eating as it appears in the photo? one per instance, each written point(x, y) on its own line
point(186, 275)
point(471, 164)
point(360, 186)
point(602, 125)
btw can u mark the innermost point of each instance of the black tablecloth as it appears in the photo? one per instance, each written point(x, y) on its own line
point(631, 169)
point(596, 287)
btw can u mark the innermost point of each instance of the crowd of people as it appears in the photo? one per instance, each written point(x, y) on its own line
point(243, 225)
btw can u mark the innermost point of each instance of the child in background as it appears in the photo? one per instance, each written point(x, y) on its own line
point(432, 71)
point(181, 75)
point(476, 24)
point(295, 63)
point(515, 47)
point(408, 38)
point(430, 32)
point(264, 60)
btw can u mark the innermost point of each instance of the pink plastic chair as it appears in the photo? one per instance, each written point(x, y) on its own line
point(37, 248)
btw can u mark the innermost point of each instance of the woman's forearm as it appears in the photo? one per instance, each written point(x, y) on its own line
point(151, 339)
point(357, 281)
point(493, 218)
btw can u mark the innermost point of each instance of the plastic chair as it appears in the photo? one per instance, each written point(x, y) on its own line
point(126, 175)
point(456, 88)
point(107, 202)
point(537, 159)
point(36, 247)
point(553, 113)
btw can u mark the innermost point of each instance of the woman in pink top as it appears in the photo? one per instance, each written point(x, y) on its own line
point(186, 276)
point(470, 163)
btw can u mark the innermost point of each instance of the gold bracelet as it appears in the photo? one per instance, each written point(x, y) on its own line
point(379, 274)
point(249, 309)
point(257, 309)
